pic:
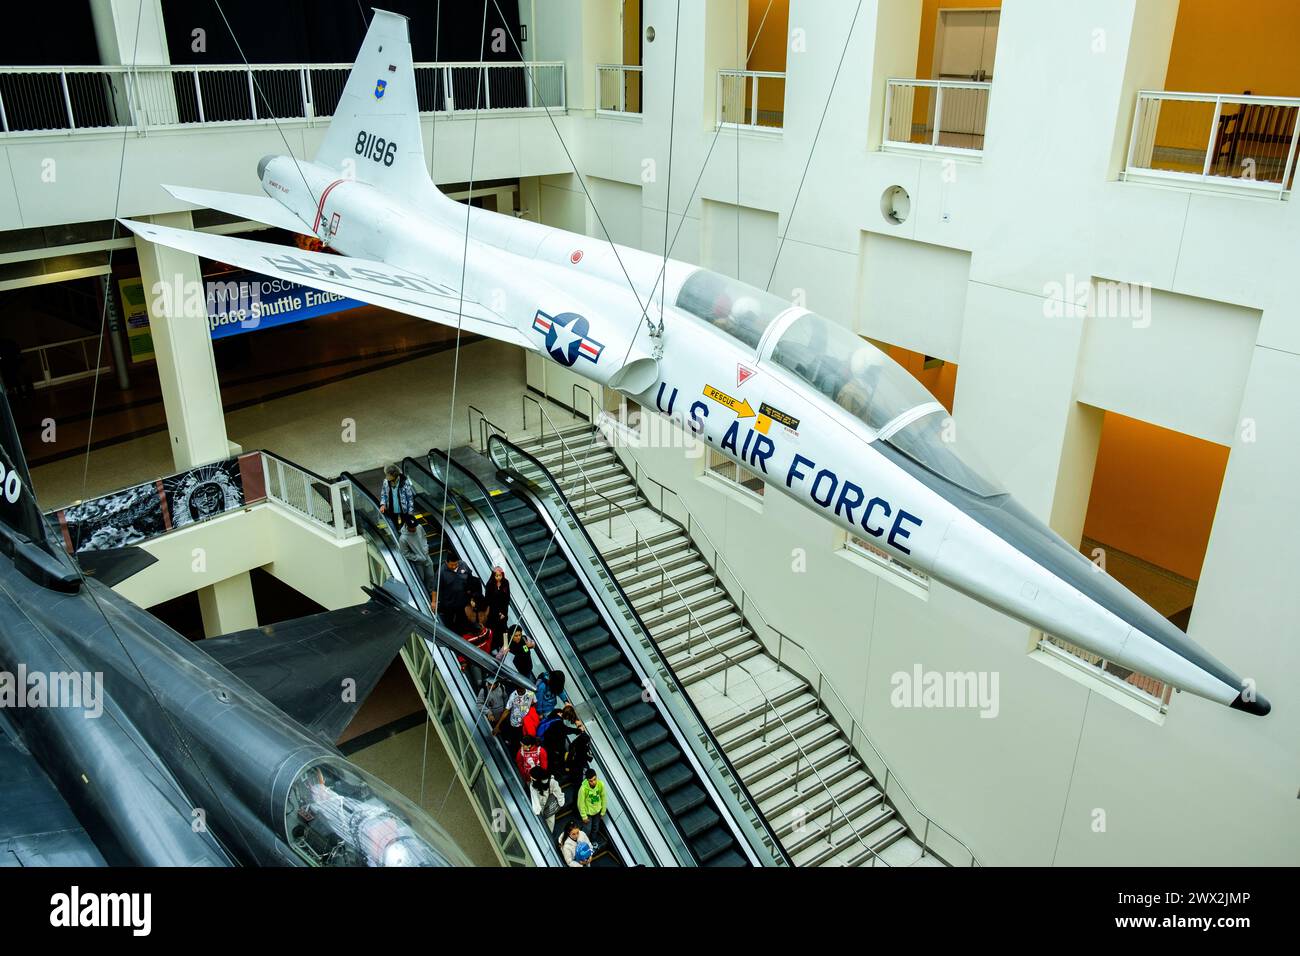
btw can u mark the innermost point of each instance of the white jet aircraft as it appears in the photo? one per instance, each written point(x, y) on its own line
point(799, 401)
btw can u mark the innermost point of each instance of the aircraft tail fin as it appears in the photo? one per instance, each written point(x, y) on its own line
point(375, 135)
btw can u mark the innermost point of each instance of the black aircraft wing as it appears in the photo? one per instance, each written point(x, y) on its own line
point(112, 566)
point(37, 827)
point(301, 665)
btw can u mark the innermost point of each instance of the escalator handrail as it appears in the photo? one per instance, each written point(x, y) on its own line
point(454, 499)
point(559, 495)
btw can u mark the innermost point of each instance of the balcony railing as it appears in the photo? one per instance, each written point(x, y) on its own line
point(936, 115)
point(751, 99)
point(618, 89)
point(44, 99)
point(1235, 142)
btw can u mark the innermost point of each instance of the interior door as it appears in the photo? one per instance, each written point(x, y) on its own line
point(965, 46)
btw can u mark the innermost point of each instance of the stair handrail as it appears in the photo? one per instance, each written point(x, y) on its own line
point(692, 528)
point(771, 706)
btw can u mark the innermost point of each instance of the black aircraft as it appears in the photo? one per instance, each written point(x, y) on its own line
point(123, 743)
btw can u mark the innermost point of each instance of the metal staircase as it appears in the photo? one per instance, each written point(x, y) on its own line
point(825, 805)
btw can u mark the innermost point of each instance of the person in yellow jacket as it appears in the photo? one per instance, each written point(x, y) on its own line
point(592, 807)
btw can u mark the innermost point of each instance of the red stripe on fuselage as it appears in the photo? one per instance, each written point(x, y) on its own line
point(320, 206)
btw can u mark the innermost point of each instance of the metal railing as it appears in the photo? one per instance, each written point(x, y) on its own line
point(1237, 141)
point(751, 99)
point(330, 504)
point(67, 361)
point(936, 115)
point(619, 89)
point(770, 706)
point(73, 98)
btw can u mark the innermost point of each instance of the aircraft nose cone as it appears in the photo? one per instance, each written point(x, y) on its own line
point(1259, 706)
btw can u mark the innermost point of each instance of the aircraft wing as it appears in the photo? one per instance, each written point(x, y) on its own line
point(301, 665)
point(112, 566)
point(367, 280)
point(37, 827)
point(262, 209)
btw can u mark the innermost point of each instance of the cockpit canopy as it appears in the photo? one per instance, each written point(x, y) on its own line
point(734, 307)
point(844, 368)
point(337, 816)
point(875, 389)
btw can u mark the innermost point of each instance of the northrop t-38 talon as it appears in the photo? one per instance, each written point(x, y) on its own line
point(799, 401)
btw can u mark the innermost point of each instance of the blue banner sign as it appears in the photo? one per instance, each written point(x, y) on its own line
point(241, 302)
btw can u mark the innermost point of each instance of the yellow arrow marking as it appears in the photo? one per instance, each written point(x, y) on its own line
point(742, 409)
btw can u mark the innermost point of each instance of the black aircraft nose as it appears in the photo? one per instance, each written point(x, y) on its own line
point(1259, 706)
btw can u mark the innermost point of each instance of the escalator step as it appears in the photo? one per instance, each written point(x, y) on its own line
point(555, 564)
point(729, 857)
point(518, 519)
point(602, 656)
point(571, 602)
point(646, 737)
point(591, 637)
point(580, 620)
point(711, 843)
point(528, 537)
point(611, 677)
point(554, 587)
point(539, 550)
point(685, 799)
point(625, 696)
point(675, 776)
point(505, 503)
point(660, 756)
point(698, 820)
point(630, 718)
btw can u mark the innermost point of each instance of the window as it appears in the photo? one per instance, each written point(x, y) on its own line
point(727, 470)
point(868, 550)
point(1140, 687)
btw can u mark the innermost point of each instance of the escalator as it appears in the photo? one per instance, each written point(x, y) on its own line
point(444, 647)
point(453, 535)
point(707, 824)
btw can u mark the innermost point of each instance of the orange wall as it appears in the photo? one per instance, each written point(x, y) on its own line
point(930, 23)
point(1154, 493)
point(941, 381)
point(769, 54)
point(1222, 47)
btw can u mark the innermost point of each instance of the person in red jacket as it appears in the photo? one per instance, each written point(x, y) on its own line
point(530, 755)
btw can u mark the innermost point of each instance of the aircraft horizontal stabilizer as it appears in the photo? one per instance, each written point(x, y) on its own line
point(300, 665)
point(261, 209)
point(366, 280)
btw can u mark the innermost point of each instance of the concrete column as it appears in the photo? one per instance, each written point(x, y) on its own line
point(173, 288)
point(131, 33)
point(228, 606)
